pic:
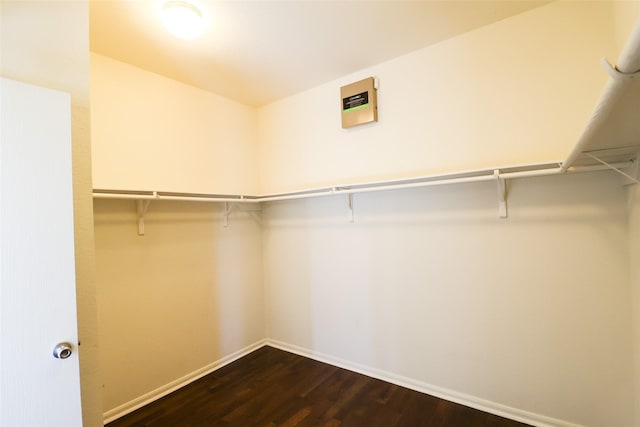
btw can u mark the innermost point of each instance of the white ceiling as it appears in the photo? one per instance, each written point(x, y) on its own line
point(259, 51)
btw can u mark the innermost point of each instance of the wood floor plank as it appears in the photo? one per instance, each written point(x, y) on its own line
point(274, 388)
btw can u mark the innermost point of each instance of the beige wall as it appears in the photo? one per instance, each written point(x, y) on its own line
point(528, 316)
point(627, 14)
point(47, 44)
point(183, 296)
point(634, 264)
point(153, 133)
point(517, 91)
point(189, 292)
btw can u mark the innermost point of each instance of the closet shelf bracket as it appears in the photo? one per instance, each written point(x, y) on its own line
point(633, 171)
point(502, 194)
point(350, 204)
point(142, 206)
point(629, 179)
point(225, 214)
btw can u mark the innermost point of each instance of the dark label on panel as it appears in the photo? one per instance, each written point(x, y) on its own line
point(353, 102)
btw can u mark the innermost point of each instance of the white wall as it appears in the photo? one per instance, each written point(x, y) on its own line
point(153, 133)
point(627, 14)
point(634, 264)
point(517, 91)
point(531, 312)
point(189, 292)
point(47, 44)
point(183, 296)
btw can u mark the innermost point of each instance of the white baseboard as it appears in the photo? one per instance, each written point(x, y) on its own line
point(156, 394)
point(450, 395)
point(453, 396)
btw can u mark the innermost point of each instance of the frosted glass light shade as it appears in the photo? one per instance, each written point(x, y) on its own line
point(182, 19)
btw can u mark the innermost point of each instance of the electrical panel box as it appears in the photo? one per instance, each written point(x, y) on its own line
point(359, 103)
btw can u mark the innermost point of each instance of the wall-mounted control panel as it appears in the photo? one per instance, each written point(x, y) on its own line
point(359, 103)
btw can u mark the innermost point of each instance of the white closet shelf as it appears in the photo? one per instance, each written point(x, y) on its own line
point(613, 133)
point(166, 195)
point(498, 175)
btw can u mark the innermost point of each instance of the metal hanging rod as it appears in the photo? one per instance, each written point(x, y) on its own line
point(157, 195)
point(500, 176)
point(458, 178)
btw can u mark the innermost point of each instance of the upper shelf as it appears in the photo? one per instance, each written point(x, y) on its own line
point(497, 175)
point(613, 132)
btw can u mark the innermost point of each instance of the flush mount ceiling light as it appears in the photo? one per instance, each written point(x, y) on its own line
point(182, 19)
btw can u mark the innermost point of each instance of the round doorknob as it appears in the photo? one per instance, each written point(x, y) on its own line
point(62, 350)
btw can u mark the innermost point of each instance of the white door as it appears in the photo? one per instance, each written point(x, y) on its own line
point(37, 269)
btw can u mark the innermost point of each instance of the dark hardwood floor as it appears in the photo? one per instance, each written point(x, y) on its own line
point(271, 387)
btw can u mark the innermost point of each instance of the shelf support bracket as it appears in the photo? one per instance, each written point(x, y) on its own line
point(225, 214)
point(142, 206)
point(630, 179)
point(502, 194)
point(633, 171)
point(350, 204)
